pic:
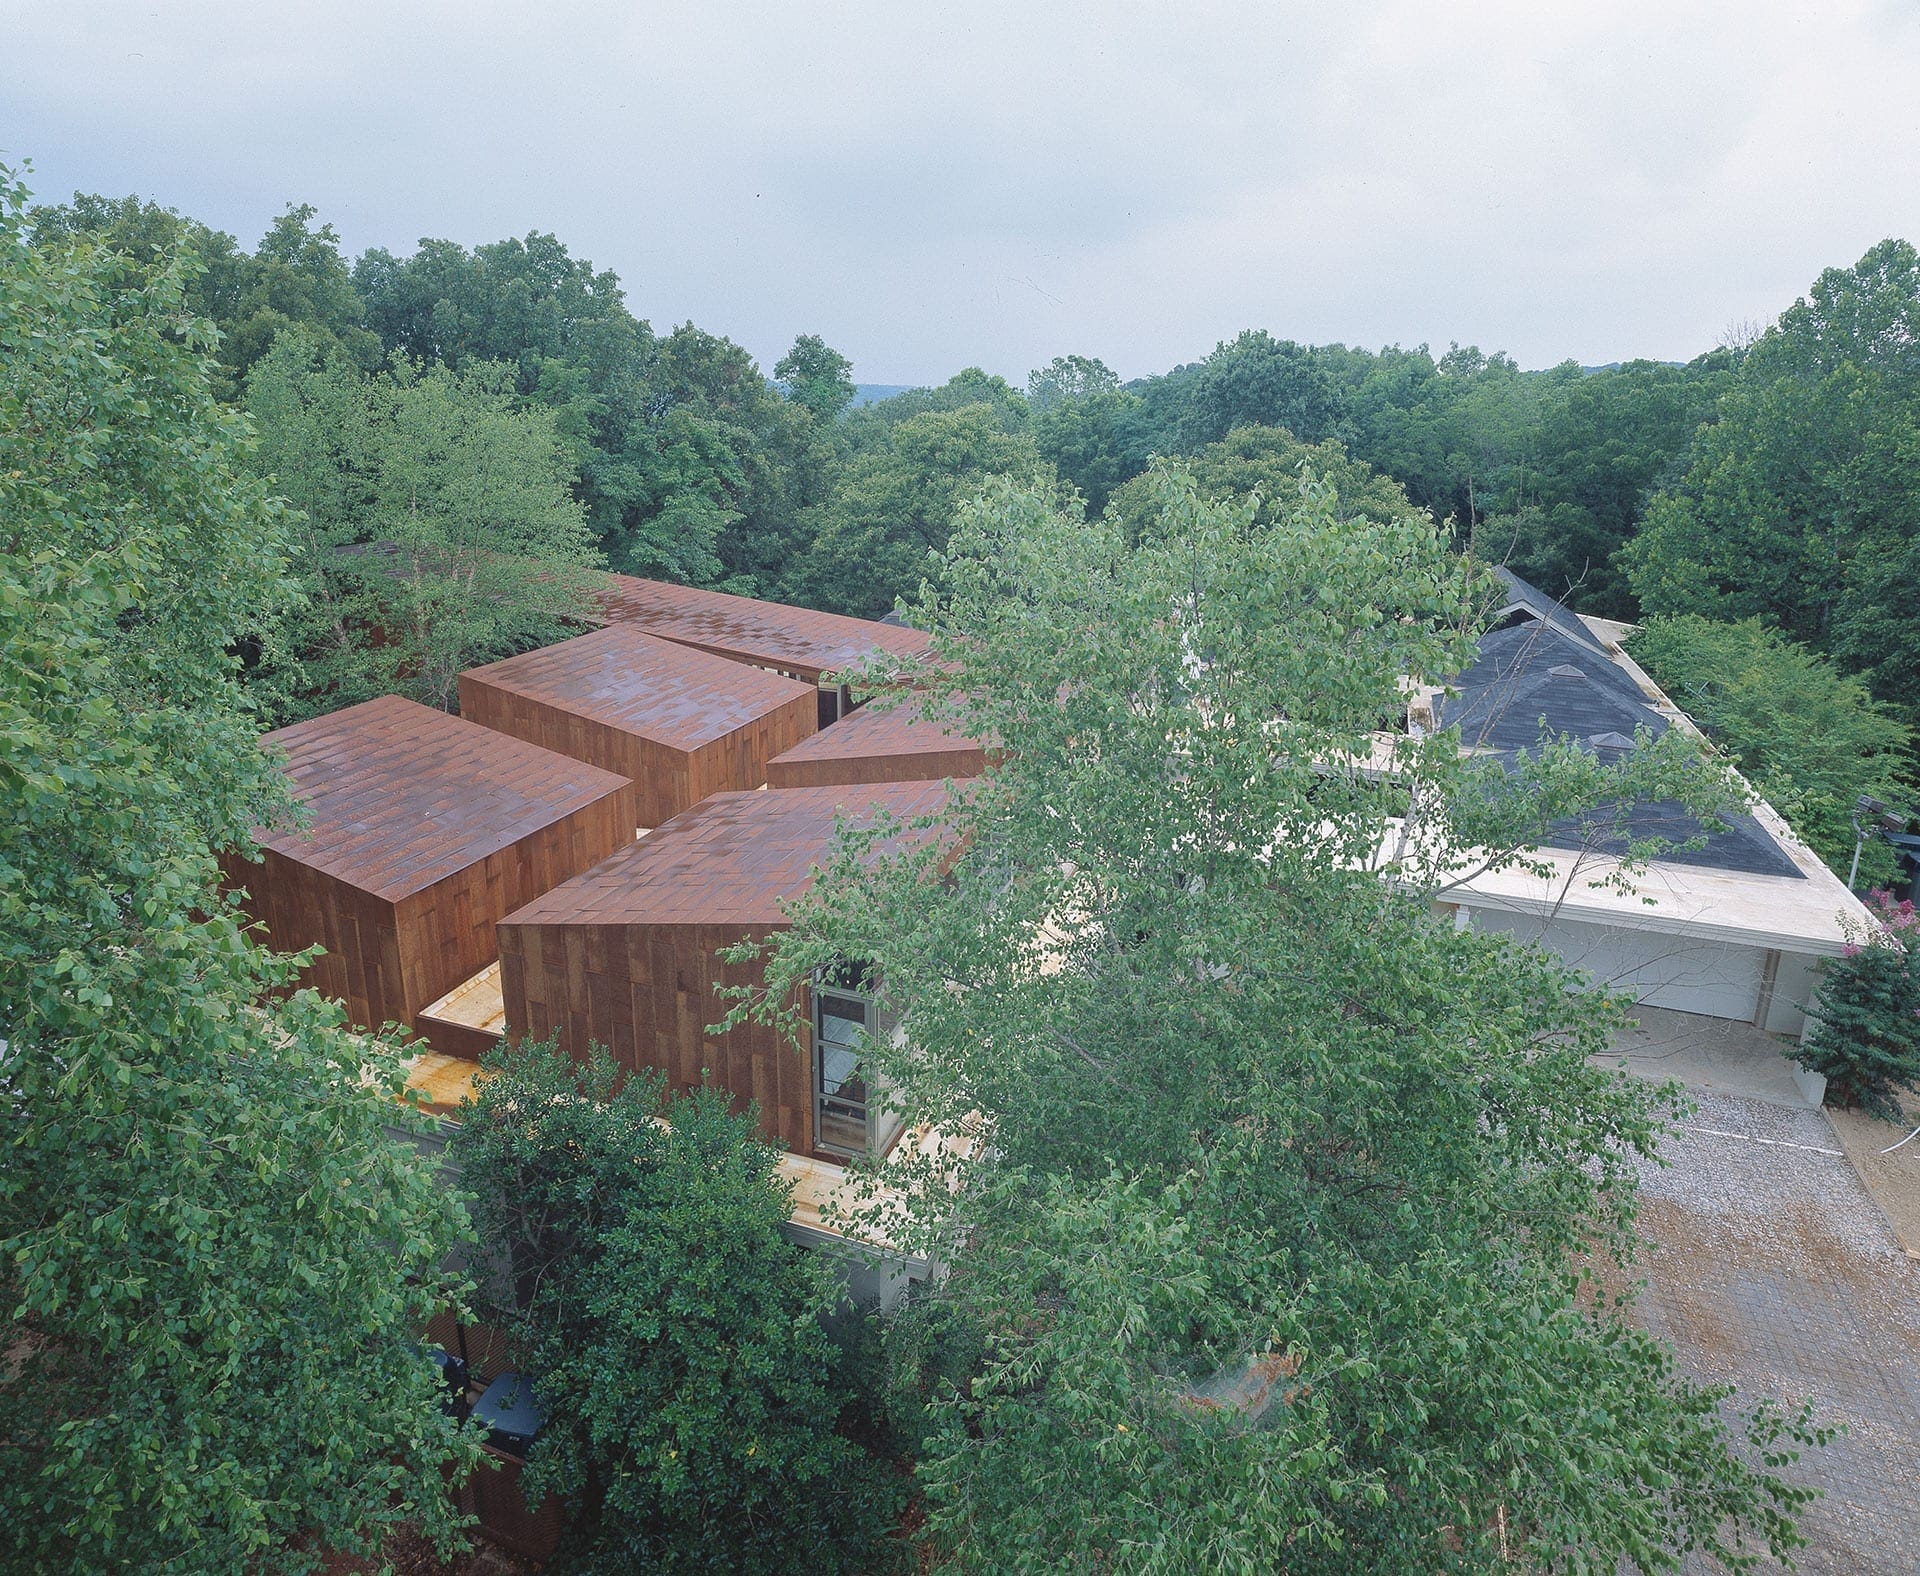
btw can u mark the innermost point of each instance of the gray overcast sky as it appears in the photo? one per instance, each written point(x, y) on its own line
point(930, 185)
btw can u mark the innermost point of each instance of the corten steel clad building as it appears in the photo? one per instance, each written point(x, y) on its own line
point(624, 956)
point(877, 745)
point(424, 830)
point(678, 721)
point(796, 641)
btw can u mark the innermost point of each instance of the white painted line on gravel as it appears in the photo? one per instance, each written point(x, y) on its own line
point(1776, 1143)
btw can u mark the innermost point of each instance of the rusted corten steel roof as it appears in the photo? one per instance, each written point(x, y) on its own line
point(796, 640)
point(729, 860)
point(639, 683)
point(870, 744)
point(401, 795)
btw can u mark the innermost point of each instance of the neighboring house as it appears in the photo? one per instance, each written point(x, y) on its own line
point(1734, 931)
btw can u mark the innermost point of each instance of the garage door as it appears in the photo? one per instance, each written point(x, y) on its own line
point(1654, 970)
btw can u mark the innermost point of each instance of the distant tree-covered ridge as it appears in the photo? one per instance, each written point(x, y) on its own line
point(1778, 479)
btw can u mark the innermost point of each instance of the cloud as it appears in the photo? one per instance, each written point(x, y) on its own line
point(942, 184)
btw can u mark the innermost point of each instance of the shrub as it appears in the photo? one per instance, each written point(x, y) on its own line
point(1867, 1039)
point(695, 1402)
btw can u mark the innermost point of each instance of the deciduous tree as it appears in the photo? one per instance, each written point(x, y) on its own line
point(1809, 738)
point(670, 1330)
point(436, 529)
point(1282, 1228)
point(217, 1245)
point(1800, 504)
point(1271, 462)
point(816, 376)
point(893, 504)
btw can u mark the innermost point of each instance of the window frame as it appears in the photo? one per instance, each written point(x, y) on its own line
point(881, 1126)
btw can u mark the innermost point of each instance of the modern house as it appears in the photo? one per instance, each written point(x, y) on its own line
point(796, 641)
point(679, 722)
point(475, 876)
point(877, 744)
point(1724, 941)
point(625, 955)
point(423, 831)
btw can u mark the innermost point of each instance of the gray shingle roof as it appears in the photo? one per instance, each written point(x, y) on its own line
point(1541, 673)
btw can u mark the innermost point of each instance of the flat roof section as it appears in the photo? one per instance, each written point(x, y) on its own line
point(730, 860)
point(680, 722)
point(639, 683)
point(872, 745)
point(401, 795)
point(796, 640)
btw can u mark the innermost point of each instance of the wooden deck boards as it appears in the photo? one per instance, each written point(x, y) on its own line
point(469, 1020)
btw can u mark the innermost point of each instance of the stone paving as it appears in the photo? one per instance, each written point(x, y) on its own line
point(1772, 1269)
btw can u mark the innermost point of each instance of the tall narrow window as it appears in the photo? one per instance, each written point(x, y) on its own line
point(848, 1117)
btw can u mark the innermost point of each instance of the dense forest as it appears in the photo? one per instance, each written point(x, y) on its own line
point(475, 411)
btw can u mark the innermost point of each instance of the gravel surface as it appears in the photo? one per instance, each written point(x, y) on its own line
point(1892, 1179)
point(1772, 1269)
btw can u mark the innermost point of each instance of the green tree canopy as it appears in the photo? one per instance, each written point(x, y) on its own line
point(1260, 381)
point(816, 376)
point(971, 386)
point(671, 1331)
point(1600, 445)
point(1070, 378)
point(892, 505)
point(217, 1247)
point(1094, 443)
point(295, 276)
point(1810, 739)
point(1271, 462)
point(1800, 504)
point(1279, 1232)
point(438, 526)
point(691, 467)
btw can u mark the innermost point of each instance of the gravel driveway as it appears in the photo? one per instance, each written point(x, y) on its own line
point(1772, 1269)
